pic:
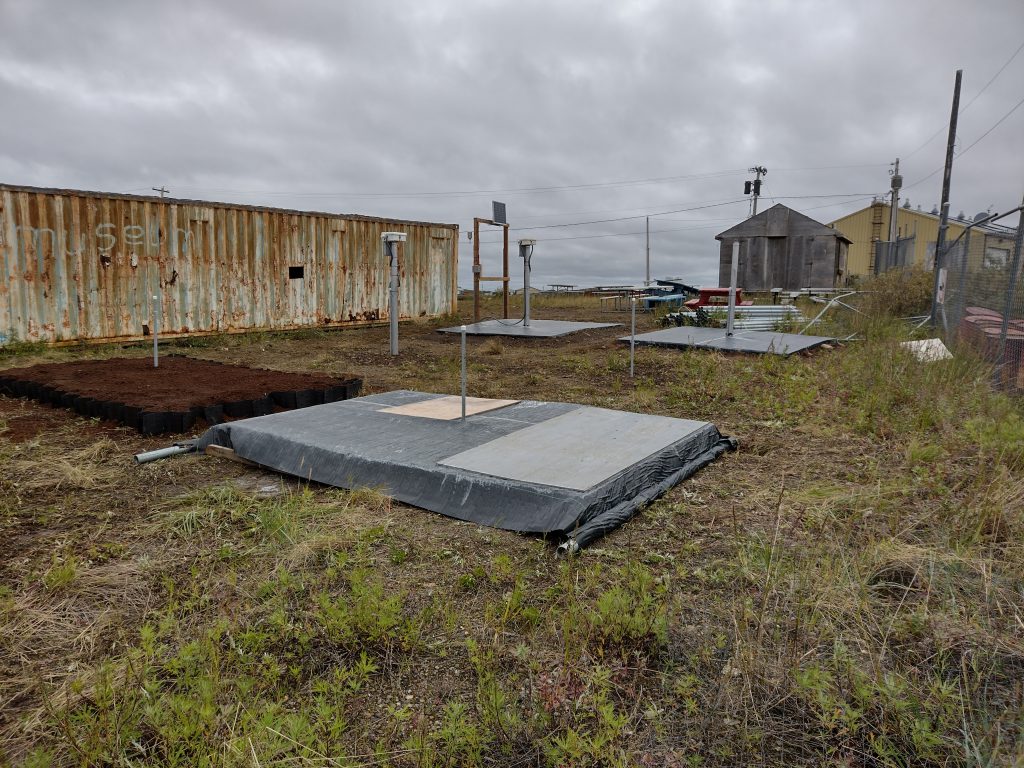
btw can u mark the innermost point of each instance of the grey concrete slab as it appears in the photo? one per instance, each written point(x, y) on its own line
point(536, 329)
point(577, 450)
point(573, 480)
point(757, 342)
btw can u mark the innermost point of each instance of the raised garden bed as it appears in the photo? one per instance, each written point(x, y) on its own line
point(174, 396)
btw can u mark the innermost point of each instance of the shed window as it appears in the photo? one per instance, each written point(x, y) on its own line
point(296, 273)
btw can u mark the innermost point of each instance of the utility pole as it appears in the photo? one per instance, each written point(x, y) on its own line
point(647, 279)
point(896, 183)
point(754, 186)
point(161, 190)
point(940, 241)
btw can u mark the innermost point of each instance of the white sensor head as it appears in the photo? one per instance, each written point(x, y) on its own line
point(393, 237)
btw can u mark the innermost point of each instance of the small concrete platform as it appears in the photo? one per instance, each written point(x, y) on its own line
point(755, 342)
point(564, 471)
point(545, 329)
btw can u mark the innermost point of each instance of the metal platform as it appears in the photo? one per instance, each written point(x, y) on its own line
point(565, 471)
point(756, 342)
point(536, 329)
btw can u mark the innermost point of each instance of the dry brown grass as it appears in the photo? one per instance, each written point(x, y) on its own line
point(846, 589)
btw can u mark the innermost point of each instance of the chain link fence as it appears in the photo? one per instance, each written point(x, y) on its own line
point(979, 306)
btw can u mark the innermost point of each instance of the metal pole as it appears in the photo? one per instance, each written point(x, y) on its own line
point(526, 253)
point(940, 241)
point(632, 338)
point(504, 272)
point(156, 332)
point(476, 270)
point(647, 278)
point(1011, 289)
point(393, 303)
point(526, 290)
point(731, 317)
point(463, 329)
point(894, 208)
point(389, 241)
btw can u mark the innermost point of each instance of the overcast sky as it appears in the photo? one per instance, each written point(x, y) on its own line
point(567, 111)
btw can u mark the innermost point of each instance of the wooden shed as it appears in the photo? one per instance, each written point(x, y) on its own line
point(782, 248)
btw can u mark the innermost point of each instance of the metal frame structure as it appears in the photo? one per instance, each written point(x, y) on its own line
point(478, 277)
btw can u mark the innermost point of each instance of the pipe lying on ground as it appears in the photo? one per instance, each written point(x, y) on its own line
point(165, 453)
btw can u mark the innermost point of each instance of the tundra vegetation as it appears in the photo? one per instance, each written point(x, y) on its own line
point(846, 589)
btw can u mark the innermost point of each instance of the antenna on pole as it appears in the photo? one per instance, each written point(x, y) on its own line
point(161, 189)
point(754, 186)
point(896, 183)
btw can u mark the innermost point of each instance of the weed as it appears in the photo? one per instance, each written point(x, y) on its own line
point(61, 573)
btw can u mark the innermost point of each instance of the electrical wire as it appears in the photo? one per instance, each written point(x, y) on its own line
point(967, 106)
point(470, 193)
point(966, 149)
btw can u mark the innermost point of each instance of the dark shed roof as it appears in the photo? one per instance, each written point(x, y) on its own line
point(780, 221)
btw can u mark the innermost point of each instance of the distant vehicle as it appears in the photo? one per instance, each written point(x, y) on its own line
point(716, 297)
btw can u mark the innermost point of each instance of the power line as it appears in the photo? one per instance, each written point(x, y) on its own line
point(962, 152)
point(967, 106)
point(628, 218)
point(986, 133)
point(683, 210)
point(469, 193)
point(686, 229)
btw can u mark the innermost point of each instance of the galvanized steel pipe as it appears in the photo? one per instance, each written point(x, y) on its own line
point(164, 453)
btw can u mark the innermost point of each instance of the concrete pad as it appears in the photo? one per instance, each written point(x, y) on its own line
point(756, 342)
point(536, 329)
point(576, 450)
point(448, 408)
point(561, 470)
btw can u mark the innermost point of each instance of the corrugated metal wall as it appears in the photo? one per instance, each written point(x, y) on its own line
point(84, 265)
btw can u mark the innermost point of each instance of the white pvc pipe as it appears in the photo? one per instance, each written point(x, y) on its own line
point(163, 453)
point(526, 287)
point(732, 288)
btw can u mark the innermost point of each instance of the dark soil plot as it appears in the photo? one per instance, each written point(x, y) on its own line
point(172, 397)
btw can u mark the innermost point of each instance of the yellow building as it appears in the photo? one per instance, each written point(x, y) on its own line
point(870, 225)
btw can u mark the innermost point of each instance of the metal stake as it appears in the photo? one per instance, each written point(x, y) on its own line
point(632, 337)
point(156, 332)
point(730, 319)
point(463, 329)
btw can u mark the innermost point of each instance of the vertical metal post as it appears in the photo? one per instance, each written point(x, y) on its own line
point(463, 329)
point(940, 241)
point(526, 254)
point(647, 273)
point(1011, 290)
point(389, 241)
point(894, 208)
point(504, 271)
point(962, 283)
point(476, 270)
point(156, 332)
point(733, 269)
point(393, 291)
point(632, 337)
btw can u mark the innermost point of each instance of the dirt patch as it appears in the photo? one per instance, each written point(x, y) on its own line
point(173, 396)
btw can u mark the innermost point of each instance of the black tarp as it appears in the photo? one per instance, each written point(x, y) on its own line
point(355, 444)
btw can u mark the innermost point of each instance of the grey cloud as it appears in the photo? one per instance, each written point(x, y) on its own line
point(268, 103)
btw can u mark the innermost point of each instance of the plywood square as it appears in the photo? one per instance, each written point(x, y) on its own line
point(448, 408)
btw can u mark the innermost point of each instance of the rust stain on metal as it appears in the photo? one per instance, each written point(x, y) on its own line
point(84, 266)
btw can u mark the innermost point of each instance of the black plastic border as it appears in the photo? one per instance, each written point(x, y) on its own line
point(164, 422)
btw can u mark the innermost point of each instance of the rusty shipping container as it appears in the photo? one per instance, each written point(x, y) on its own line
point(86, 266)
